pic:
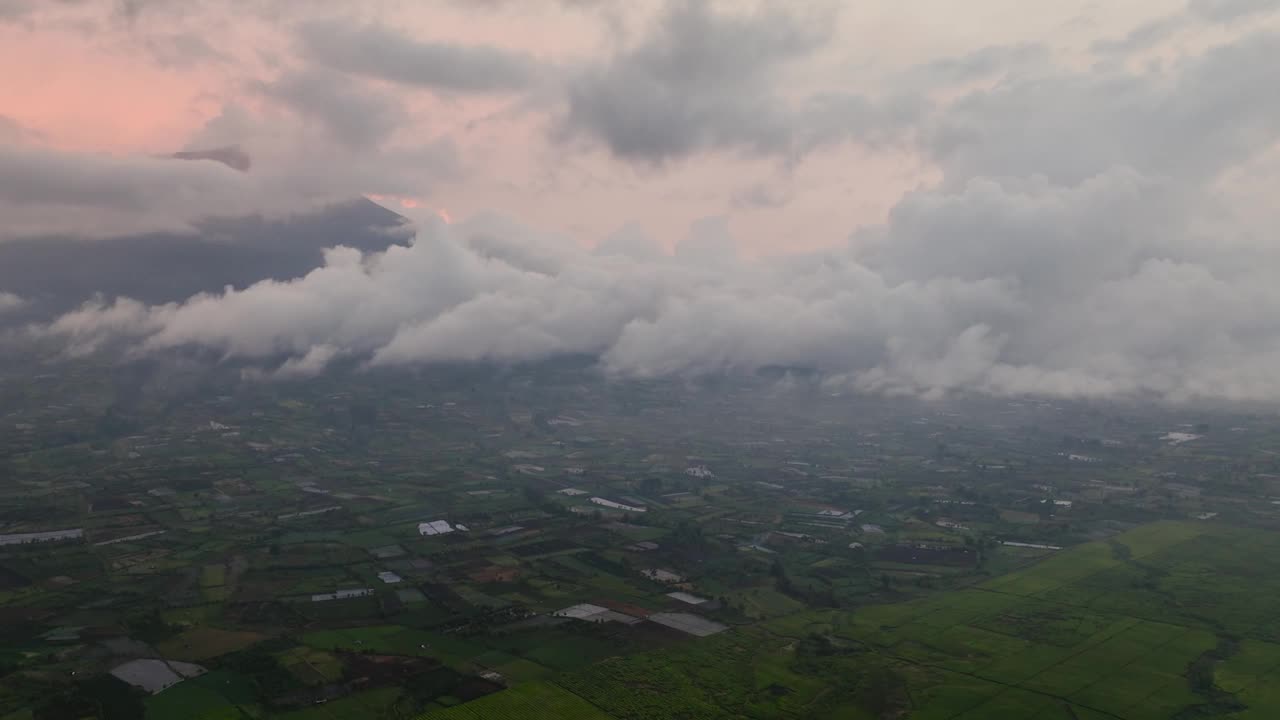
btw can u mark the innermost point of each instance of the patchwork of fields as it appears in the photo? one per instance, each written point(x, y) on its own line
point(1170, 620)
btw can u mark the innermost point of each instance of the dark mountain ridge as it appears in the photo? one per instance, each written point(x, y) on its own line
point(56, 274)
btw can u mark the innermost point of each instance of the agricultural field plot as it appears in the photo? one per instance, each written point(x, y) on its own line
point(214, 696)
point(557, 649)
point(206, 642)
point(213, 575)
point(270, 584)
point(531, 701)
point(395, 640)
point(746, 673)
point(311, 666)
point(361, 706)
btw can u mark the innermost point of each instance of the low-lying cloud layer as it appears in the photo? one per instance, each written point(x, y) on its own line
point(1035, 288)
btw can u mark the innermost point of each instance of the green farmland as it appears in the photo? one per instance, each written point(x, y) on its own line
point(497, 547)
point(1171, 620)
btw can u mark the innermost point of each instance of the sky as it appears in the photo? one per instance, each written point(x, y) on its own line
point(1070, 199)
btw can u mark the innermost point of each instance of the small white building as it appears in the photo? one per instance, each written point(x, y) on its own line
point(435, 527)
point(617, 505)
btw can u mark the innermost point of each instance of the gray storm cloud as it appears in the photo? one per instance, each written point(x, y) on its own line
point(703, 79)
point(381, 53)
point(353, 116)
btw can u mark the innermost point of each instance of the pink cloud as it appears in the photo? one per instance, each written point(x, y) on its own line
point(79, 96)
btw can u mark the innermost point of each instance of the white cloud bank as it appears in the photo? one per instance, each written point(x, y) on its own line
point(1037, 288)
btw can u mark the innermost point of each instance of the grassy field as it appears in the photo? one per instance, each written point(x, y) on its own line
point(214, 696)
point(1253, 676)
point(1137, 627)
point(1167, 620)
